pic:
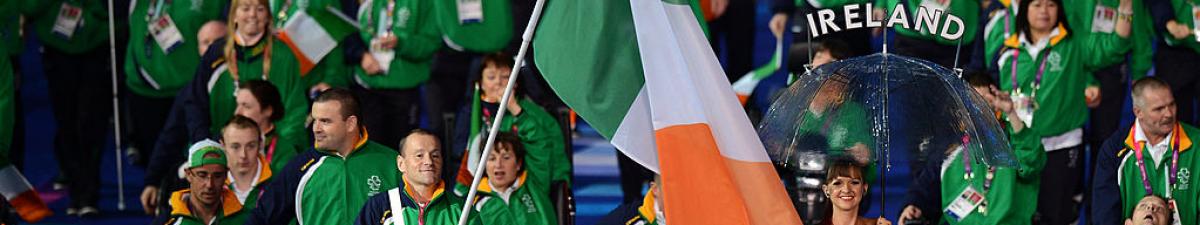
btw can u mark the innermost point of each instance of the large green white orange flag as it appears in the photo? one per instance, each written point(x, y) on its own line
point(642, 73)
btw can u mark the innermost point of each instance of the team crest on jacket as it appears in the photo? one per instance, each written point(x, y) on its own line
point(1055, 61)
point(402, 17)
point(1185, 177)
point(374, 183)
point(528, 201)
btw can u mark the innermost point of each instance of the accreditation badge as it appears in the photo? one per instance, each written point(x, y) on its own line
point(1104, 19)
point(1024, 105)
point(166, 34)
point(69, 18)
point(470, 11)
point(964, 204)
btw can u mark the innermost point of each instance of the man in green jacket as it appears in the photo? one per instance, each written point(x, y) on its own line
point(206, 201)
point(160, 58)
point(76, 62)
point(1154, 156)
point(422, 198)
point(249, 171)
point(328, 184)
point(402, 37)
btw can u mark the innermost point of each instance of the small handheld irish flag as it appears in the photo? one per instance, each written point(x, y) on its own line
point(21, 195)
point(312, 36)
point(466, 169)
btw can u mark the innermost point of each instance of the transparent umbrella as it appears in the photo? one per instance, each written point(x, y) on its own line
point(864, 109)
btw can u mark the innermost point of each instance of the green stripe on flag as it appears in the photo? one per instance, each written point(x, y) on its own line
point(336, 26)
point(587, 50)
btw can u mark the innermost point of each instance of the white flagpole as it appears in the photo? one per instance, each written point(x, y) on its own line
point(512, 79)
point(112, 59)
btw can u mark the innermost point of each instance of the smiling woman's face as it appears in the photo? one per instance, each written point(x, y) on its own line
point(845, 186)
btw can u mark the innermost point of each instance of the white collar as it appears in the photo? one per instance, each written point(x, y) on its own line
point(1040, 44)
point(1157, 150)
point(243, 194)
point(507, 193)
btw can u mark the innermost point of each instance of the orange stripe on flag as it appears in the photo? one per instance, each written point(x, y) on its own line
point(30, 207)
point(464, 173)
point(703, 187)
point(306, 65)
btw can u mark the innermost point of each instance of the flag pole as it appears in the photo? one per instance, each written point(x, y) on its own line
point(112, 59)
point(508, 90)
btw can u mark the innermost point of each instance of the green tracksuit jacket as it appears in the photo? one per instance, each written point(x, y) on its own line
point(150, 70)
point(417, 37)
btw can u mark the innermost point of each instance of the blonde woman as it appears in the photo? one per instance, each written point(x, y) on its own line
point(249, 52)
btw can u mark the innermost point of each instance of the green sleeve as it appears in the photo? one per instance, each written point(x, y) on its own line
point(545, 158)
point(994, 38)
point(1079, 19)
point(1143, 36)
point(1099, 49)
point(1092, 82)
point(421, 44)
point(1031, 156)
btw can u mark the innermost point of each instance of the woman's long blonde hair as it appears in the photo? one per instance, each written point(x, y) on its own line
point(230, 55)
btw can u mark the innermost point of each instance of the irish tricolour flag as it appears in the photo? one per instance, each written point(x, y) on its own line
point(312, 36)
point(642, 73)
point(20, 194)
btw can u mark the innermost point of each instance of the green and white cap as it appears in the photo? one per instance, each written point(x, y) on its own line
point(206, 152)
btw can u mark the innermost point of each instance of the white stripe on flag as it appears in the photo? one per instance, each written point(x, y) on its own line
point(309, 37)
point(635, 135)
point(674, 49)
point(12, 183)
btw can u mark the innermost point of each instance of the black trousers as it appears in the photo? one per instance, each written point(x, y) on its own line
point(1178, 67)
point(147, 115)
point(389, 114)
point(1062, 180)
point(81, 94)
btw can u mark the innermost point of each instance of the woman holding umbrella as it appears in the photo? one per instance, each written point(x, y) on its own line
point(845, 187)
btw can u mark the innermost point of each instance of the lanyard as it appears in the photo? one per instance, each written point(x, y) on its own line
point(1141, 162)
point(1037, 82)
point(966, 159)
point(158, 10)
point(271, 148)
point(391, 17)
